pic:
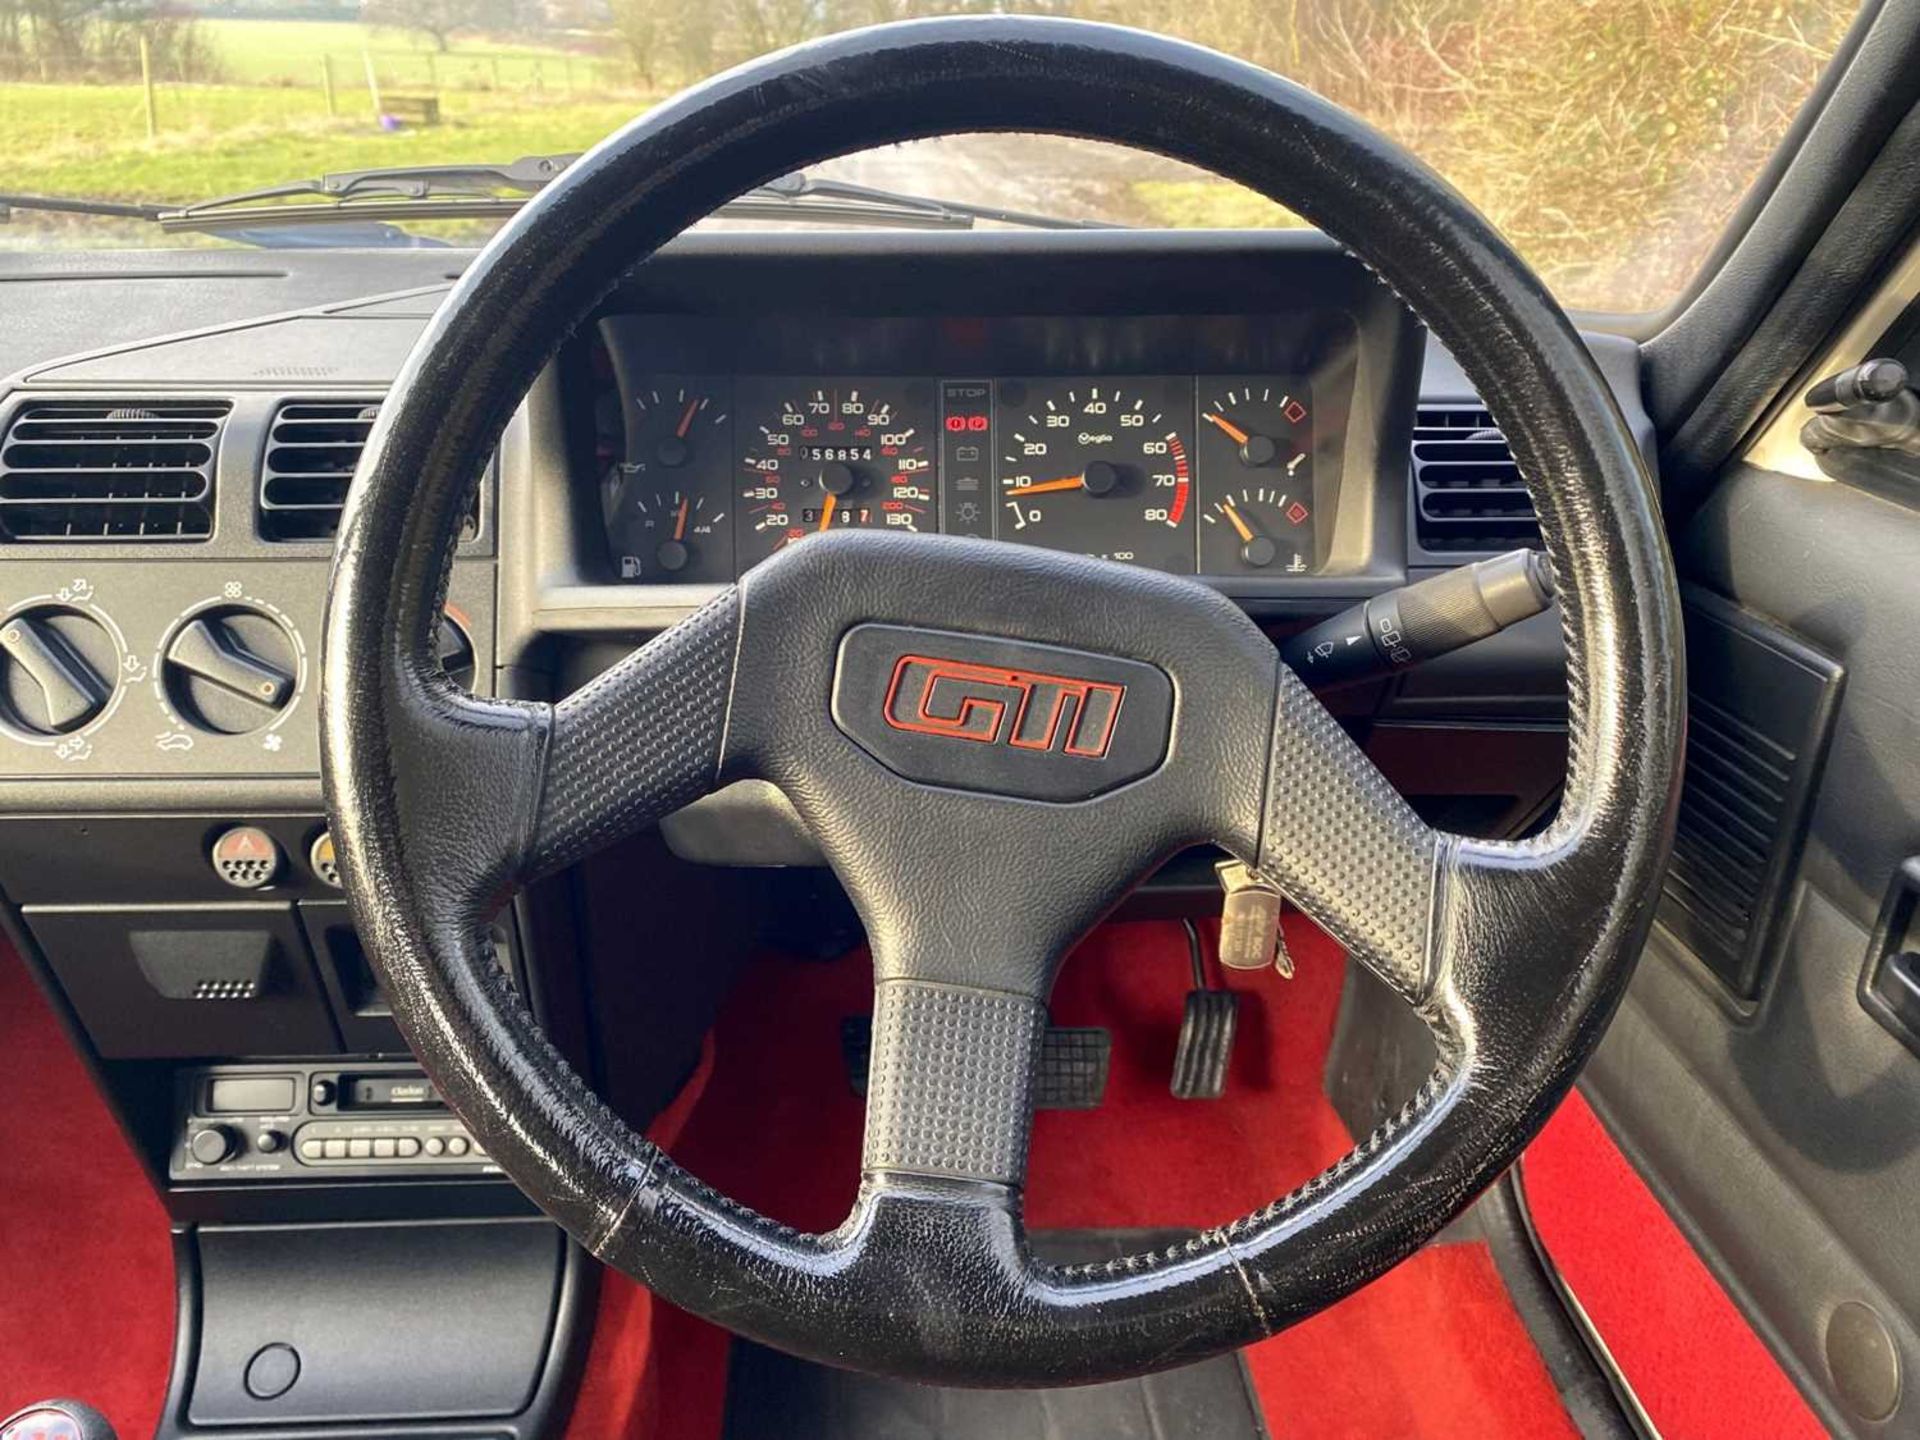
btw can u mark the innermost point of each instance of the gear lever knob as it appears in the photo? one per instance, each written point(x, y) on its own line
point(57, 1420)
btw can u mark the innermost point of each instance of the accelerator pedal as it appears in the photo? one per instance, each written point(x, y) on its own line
point(1207, 1029)
point(1074, 1060)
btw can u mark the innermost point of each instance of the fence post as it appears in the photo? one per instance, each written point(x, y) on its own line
point(493, 64)
point(433, 74)
point(567, 73)
point(373, 83)
point(146, 85)
point(539, 80)
point(326, 84)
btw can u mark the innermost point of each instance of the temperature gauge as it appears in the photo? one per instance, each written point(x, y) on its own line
point(667, 505)
point(1256, 473)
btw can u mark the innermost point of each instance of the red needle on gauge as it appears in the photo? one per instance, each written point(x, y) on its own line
point(1226, 427)
point(680, 519)
point(686, 418)
point(826, 512)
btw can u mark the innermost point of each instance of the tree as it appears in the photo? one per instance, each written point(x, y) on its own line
point(438, 20)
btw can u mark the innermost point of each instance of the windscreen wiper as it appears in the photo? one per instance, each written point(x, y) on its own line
point(481, 180)
point(447, 192)
point(841, 196)
point(485, 190)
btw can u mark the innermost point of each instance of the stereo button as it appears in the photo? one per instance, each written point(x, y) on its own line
point(313, 1149)
point(408, 1148)
point(457, 1145)
point(336, 1149)
point(360, 1149)
point(383, 1149)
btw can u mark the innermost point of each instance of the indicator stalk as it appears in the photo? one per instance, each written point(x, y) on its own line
point(1419, 622)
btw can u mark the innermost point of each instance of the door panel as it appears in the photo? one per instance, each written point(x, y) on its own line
point(1784, 1136)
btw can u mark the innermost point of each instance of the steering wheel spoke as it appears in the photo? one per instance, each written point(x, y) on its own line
point(1345, 847)
point(638, 741)
point(950, 1081)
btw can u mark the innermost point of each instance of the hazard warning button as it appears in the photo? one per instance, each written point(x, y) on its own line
point(246, 857)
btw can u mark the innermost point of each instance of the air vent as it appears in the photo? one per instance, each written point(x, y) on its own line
point(1467, 492)
point(1759, 707)
point(312, 451)
point(89, 471)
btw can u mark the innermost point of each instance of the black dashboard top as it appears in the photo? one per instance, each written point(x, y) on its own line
point(986, 383)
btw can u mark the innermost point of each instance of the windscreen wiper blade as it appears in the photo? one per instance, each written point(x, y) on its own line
point(80, 205)
point(800, 188)
point(479, 180)
point(471, 191)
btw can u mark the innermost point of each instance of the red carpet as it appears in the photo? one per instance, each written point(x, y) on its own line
point(778, 1127)
point(88, 1309)
point(86, 1263)
point(1689, 1354)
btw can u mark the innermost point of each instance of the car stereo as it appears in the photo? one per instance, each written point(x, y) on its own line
point(306, 1122)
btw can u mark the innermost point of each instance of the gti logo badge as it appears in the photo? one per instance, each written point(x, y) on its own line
point(992, 705)
point(1038, 722)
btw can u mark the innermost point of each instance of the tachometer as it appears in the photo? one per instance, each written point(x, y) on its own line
point(844, 454)
point(1099, 467)
point(1256, 477)
point(666, 506)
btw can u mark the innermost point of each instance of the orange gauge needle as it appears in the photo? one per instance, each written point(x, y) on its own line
point(680, 520)
point(686, 418)
point(1070, 482)
point(826, 512)
point(1241, 528)
point(1232, 431)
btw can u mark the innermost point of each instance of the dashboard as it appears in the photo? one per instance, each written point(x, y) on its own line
point(709, 470)
point(1254, 411)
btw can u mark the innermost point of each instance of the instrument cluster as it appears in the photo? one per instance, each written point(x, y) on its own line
point(706, 475)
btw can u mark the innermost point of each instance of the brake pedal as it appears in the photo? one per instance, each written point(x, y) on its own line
point(1208, 1025)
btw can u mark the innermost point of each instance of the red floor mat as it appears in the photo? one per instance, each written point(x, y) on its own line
point(1691, 1357)
point(86, 1264)
point(779, 1128)
point(88, 1303)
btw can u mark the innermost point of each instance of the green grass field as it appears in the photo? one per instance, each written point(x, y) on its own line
point(288, 52)
point(268, 120)
point(91, 140)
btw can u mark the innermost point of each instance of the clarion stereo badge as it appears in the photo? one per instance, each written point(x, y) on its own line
point(975, 712)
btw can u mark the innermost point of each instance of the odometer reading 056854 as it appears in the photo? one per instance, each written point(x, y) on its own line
point(1103, 468)
point(836, 455)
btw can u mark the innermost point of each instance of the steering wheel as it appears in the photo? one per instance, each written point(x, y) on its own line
point(1062, 722)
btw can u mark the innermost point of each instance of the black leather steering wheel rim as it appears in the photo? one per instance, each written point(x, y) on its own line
point(441, 804)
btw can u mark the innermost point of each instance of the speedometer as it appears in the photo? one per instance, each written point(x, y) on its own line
point(1102, 468)
point(847, 454)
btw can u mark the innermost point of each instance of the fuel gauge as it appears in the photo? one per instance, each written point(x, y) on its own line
point(1256, 478)
point(667, 505)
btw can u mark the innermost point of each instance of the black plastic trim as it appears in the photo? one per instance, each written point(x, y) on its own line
point(568, 1329)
